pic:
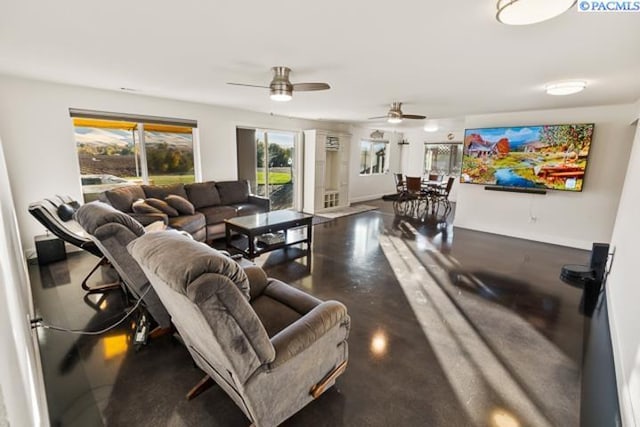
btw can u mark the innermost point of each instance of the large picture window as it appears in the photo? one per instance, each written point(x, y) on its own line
point(443, 159)
point(115, 153)
point(373, 157)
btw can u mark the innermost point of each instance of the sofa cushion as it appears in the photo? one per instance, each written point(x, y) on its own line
point(232, 192)
point(142, 207)
point(182, 205)
point(162, 206)
point(162, 191)
point(203, 194)
point(217, 214)
point(273, 314)
point(188, 223)
point(246, 209)
point(122, 198)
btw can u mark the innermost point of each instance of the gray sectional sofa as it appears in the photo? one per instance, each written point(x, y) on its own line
point(207, 205)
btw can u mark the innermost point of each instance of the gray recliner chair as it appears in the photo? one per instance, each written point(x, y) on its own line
point(271, 347)
point(112, 231)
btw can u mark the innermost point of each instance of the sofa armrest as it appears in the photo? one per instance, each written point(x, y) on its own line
point(301, 334)
point(146, 219)
point(263, 202)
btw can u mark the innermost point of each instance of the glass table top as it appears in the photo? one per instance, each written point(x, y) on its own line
point(267, 218)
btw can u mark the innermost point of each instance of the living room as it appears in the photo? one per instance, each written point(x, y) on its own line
point(66, 58)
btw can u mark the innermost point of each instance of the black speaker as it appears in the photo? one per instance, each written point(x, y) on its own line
point(49, 249)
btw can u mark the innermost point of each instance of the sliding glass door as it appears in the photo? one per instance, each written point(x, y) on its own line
point(275, 167)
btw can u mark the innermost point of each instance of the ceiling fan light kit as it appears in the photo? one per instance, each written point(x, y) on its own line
point(281, 89)
point(526, 12)
point(395, 115)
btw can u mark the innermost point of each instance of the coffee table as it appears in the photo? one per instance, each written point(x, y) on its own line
point(295, 225)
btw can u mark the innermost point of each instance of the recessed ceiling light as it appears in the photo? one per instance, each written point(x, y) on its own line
point(525, 12)
point(431, 127)
point(565, 88)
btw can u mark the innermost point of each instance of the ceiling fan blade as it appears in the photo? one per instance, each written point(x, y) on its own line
point(377, 118)
point(247, 85)
point(413, 116)
point(305, 87)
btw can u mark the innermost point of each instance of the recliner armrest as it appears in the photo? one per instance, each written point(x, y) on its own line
point(298, 336)
point(263, 202)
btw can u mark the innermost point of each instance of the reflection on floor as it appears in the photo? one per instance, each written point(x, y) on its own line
point(450, 327)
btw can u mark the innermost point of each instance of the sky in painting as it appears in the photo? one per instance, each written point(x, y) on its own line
point(515, 135)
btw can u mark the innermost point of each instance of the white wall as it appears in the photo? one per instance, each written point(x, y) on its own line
point(623, 292)
point(564, 218)
point(20, 374)
point(40, 148)
point(371, 187)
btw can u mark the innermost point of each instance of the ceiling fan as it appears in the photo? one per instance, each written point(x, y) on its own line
point(281, 87)
point(395, 114)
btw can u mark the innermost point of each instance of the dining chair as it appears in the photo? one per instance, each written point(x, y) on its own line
point(400, 184)
point(439, 199)
point(413, 201)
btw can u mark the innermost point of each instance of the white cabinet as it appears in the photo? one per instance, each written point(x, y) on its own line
point(326, 170)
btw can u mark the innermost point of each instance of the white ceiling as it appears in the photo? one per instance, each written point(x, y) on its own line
point(443, 59)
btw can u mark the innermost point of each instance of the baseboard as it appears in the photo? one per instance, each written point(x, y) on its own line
point(624, 397)
point(570, 243)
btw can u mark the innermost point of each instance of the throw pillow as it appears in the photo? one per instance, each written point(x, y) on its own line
point(182, 205)
point(162, 191)
point(142, 207)
point(163, 206)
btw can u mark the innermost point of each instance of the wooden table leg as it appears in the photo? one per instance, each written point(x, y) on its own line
point(252, 245)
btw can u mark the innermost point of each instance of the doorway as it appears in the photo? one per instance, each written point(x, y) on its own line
point(267, 158)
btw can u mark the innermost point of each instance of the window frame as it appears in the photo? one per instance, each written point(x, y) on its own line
point(139, 137)
point(451, 166)
point(371, 155)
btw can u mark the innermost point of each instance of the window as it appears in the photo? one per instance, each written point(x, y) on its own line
point(116, 153)
point(373, 157)
point(442, 159)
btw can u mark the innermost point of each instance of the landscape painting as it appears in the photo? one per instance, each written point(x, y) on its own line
point(549, 157)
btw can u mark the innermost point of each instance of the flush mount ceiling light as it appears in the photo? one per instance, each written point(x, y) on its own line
point(431, 127)
point(525, 12)
point(565, 88)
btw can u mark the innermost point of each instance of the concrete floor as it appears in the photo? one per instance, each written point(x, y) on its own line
point(450, 327)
